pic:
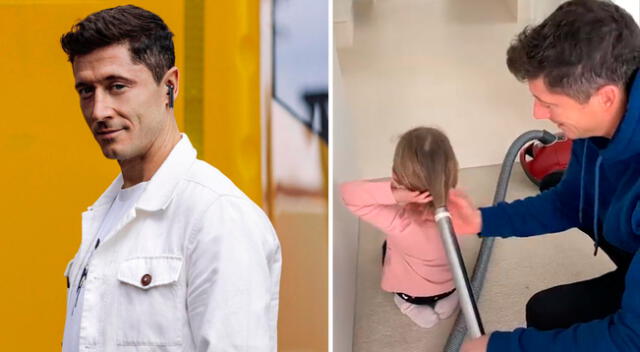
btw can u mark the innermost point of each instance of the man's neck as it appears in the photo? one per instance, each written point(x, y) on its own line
point(142, 168)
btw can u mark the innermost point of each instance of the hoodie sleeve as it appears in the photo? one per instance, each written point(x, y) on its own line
point(616, 333)
point(372, 201)
point(551, 211)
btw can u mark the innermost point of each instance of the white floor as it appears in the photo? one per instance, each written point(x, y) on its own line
point(518, 268)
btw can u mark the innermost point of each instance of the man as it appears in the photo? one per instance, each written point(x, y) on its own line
point(581, 65)
point(173, 256)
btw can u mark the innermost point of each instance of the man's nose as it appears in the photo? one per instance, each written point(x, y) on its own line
point(102, 108)
point(540, 112)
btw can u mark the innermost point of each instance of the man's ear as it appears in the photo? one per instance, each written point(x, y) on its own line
point(171, 80)
point(607, 96)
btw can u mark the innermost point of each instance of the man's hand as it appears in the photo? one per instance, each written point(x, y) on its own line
point(476, 345)
point(465, 216)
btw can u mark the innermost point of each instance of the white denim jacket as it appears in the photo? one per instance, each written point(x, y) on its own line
point(195, 266)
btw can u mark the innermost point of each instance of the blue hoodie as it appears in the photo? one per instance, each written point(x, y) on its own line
point(600, 194)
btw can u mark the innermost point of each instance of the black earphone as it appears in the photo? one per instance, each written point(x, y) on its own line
point(170, 94)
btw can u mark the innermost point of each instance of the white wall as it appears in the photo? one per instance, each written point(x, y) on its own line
point(534, 11)
point(345, 225)
point(342, 10)
point(541, 9)
point(343, 23)
point(631, 6)
point(437, 63)
point(512, 6)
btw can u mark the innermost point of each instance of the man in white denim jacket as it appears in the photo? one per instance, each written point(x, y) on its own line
point(174, 257)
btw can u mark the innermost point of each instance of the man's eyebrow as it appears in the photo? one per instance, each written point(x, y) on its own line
point(111, 78)
point(81, 85)
point(107, 79)
point(542, 101)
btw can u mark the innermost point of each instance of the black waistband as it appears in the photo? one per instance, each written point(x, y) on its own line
point(424, 300)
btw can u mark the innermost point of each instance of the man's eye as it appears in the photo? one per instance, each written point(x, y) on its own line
point(85, 92)
point(118, 87)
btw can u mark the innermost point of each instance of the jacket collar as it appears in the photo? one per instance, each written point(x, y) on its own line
point(162, 185)
point(624, 143)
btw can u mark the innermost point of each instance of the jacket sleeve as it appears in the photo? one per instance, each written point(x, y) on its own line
point(616, 333)
point(551, 211)
point(372, 201)
point(233, 273)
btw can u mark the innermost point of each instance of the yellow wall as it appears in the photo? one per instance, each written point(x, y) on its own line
point(231, 133)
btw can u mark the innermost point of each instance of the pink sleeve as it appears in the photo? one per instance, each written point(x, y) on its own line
point(363, 193)
point(371, 201)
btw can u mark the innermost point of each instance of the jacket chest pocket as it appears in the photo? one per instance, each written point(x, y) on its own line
point(148, 302)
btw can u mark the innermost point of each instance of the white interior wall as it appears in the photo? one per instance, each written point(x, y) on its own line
point(342, 23)
point(437, 63)
point(534, 11)
point(342, 10)
point(345, 225)
point(541, 9)
point(631, 6)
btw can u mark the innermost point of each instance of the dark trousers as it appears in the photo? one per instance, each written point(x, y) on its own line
point(583, 301)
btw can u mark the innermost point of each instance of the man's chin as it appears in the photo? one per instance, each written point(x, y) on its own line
point(568, 134)
point(112, 152)
point(114, 149)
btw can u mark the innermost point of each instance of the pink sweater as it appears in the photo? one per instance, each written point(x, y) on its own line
point(416, 262)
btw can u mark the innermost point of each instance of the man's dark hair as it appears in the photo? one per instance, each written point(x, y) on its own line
point(582, 46)
point(148, 37)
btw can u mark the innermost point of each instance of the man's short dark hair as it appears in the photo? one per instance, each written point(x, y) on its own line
point(148, 37)
point(582, 46)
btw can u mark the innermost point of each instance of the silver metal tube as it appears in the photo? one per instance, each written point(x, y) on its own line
point(467, 301)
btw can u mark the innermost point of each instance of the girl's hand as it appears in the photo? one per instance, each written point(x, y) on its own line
point(405, 196)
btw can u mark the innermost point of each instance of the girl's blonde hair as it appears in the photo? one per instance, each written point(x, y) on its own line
point(424, 161)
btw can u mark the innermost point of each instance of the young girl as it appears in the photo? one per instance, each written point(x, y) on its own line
point(415, 265)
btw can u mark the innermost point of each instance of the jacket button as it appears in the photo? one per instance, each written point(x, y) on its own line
point(146, 280)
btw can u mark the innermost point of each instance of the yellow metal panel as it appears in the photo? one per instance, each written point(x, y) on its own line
point(52, 169)
point(194, 67)
point(231, 93)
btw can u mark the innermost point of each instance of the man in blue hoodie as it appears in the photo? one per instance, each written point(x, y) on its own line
point(581, 65)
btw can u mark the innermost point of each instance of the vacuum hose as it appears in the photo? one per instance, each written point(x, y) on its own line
point(469, 310)
point(467, 302)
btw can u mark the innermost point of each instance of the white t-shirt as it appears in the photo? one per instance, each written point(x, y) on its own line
point(124, 202)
